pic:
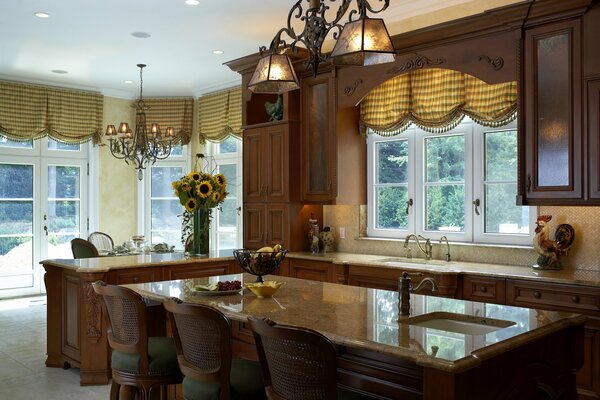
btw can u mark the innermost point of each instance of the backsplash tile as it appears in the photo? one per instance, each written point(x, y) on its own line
point(585, 220)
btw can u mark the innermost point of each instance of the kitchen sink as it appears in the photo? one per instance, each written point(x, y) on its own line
point(400, 261)
point(457, 323)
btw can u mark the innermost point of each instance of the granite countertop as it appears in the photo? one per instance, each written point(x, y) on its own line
point(103, 264)
point(569, 276)
point(367, 318)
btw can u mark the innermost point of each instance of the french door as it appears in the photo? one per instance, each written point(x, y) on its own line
point(43, 205)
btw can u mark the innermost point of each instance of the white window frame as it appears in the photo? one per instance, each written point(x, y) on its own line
point(474, 230)
point(216, 159)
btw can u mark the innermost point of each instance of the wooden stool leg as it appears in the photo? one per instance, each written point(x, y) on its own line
point(114, 390)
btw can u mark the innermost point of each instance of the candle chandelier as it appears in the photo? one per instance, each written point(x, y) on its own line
point(361, 41)
point(140, 147)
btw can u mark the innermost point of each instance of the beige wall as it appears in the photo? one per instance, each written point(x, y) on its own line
point(585, 253)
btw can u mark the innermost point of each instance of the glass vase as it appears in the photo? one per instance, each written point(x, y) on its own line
point(200, 243)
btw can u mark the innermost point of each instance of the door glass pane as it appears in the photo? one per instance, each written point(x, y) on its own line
point(554, 107)
point(165, 209)
point(16, 225)
point(176, 150)
point(391, 207)
point(501, 156)
point(445, 159)
point(63, 209)
point(501, 213)
point(54, 145)
point(227, 216)
point(6, 142)
point(228, 145)
point(445, 208)
point(392, 161)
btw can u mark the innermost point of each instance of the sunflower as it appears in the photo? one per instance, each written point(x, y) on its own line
point(194, 175)
point(216, 196)
point(185, 186)
point(176, 193)
point(204, 189)
point(220, 178)
point(175, 185)
point(190, 205)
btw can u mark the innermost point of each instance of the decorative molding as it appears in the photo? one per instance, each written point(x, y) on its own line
point(92, 311)
point(496, 64)
point(350, 89)
point(417, 62)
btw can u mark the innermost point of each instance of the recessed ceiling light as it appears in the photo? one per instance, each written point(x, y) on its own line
point(60, 71)
point(128, 81)
point(217, 51)
point(141, 35)
point(192, 2)
point(40, 14)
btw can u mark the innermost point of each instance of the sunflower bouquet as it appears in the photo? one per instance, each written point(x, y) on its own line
point(200, 190)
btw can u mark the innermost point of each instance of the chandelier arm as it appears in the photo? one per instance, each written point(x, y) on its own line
point(365, 5)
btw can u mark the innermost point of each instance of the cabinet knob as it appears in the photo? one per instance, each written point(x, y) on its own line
point(575, 299)
point(537, 294)
point(135, 279)
point(483, 289)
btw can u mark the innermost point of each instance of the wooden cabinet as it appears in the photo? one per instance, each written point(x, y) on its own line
point(333, 151)
point(266, 224)
point(484, 289)
point(134, 275)
point(312, 270)
point(588, 377)
point(592, 121)
point(552, 104)
point(199, 271)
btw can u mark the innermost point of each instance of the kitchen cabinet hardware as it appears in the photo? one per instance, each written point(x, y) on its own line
point(537, 294)
point(575, 299)
point(408, 204)
point(477, 203)
point(483, 289)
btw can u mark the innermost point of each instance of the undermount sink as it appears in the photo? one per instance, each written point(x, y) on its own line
point(458, 323)
point(400, 261)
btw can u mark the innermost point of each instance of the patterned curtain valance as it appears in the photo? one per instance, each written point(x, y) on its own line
point(221, 115)
point(175, 112)
point(436, 100)
point(29, 112)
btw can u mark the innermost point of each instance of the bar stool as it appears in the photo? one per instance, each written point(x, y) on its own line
point(81, 248)
point(297, 363)
point(137, 360)
point(102, 241)
point(203, 339)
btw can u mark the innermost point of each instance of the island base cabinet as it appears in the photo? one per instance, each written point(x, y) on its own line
point(588, 377)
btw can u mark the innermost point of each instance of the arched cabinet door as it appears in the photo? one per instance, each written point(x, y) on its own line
point(552, 117)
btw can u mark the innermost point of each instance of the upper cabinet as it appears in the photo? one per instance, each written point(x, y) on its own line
point(552, 118)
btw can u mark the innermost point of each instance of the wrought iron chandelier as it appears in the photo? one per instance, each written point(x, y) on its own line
point(140, 147)
point(361, 41)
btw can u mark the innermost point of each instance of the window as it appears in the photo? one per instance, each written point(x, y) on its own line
point(226, 225)
point(163, 212)
point(461, 184)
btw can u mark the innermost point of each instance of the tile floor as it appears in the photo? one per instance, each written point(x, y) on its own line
point(23, 373)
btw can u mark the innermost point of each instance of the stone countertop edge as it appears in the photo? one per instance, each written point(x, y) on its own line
point(104, 264)
point(567, 276)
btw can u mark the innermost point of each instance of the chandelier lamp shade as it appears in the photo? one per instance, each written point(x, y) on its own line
point(361, 41)
point(142, 146)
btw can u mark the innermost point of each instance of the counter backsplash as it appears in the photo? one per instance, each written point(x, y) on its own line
point(585, 220)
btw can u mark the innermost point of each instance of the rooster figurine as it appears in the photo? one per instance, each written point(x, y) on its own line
point(551, 250)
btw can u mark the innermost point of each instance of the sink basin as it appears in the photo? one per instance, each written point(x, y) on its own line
point(458, 323)
point(400, 261)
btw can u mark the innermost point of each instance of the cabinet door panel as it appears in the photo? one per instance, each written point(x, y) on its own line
point(593, 131)
point(277, 225)
point(254, 225)
point(253, 165)
point(277, 170)
point(312, 270)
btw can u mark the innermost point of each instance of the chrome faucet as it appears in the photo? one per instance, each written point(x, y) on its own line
point(428, 250)
point(406, 289)
point(447, 247)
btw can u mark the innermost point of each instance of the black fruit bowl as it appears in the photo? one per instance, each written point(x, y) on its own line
point(259, 263)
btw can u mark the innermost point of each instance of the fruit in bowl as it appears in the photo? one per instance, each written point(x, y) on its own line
point(264, 289)
point(260, 262)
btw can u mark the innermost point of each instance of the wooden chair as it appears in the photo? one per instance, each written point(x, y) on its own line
point(203, 339)
point(137, 360)
point(81, 248)
point(297, 363)
point(102, 241)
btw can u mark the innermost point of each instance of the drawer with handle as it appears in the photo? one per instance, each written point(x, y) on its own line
point(485, 289)
point(553, 296)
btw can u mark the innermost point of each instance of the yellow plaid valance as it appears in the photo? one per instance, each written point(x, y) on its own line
point(29, 112)
point(220, 115)
point(174, 112)
point(436, 100)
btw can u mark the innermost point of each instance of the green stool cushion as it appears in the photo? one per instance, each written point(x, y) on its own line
point(246, 383)
point(162, 358)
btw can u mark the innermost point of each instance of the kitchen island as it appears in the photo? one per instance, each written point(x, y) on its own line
point(486, 351)
point(76, 331)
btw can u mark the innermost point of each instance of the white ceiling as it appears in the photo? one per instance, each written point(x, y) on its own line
point(92, 40)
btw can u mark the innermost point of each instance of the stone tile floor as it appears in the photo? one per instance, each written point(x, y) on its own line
point(23, 373)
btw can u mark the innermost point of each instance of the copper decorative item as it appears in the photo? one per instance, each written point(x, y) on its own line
point(550, 251)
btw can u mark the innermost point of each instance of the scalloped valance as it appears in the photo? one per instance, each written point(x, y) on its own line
point(29, 112)
point(220, 115)
point(436, 100)
point(174, 112)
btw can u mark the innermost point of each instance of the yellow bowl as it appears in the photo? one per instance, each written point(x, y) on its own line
point(265, 289)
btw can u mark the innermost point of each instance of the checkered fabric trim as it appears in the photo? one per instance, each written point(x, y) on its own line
point(172, 112)
point(436, 100)
point(29, 112)
point(220, 115)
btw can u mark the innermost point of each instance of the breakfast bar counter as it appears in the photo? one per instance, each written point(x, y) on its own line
point(479, 351)
point(76, 332)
